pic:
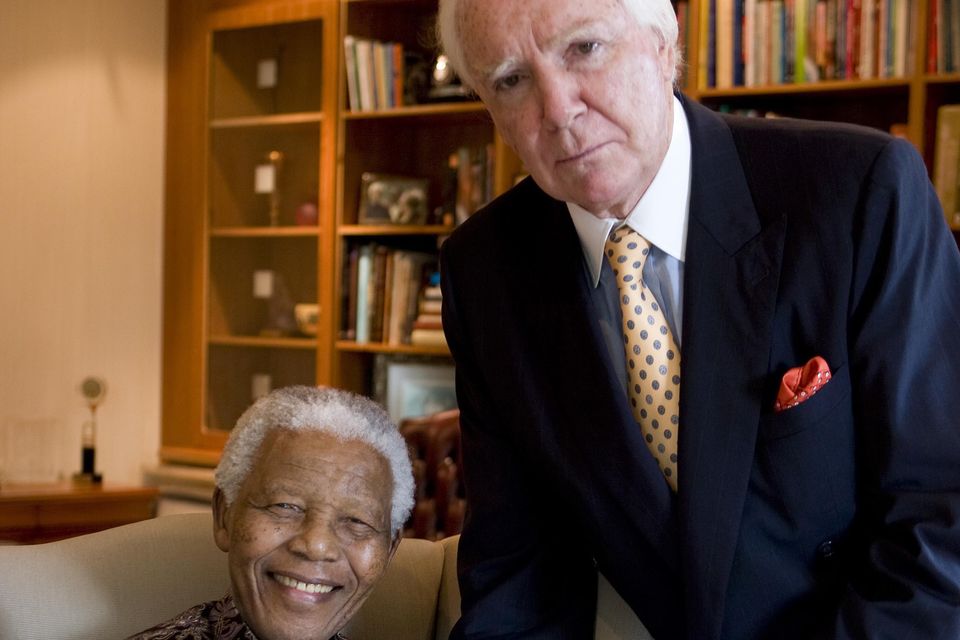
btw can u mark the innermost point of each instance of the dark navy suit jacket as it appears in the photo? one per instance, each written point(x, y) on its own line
point(837, 518)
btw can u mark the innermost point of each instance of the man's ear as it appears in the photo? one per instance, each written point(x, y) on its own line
point(221, 528)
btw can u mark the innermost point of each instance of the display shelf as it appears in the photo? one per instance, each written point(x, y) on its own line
point(252, 118)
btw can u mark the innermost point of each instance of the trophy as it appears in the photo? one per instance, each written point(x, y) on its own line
point(93, 390)
point(267, 181)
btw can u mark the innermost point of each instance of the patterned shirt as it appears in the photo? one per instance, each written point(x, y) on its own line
point(215, 620)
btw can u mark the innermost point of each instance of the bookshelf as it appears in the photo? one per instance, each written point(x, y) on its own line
point(219, 235)
point(899, 92)
point(403, 136)
point(252, 111)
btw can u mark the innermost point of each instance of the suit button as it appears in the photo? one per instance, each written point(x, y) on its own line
point(825, 550)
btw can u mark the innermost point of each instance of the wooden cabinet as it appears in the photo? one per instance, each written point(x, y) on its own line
point(247, 79)
point(33, 513)
point(252, 111)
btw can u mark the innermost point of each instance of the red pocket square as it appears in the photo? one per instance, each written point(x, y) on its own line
point(800, 383)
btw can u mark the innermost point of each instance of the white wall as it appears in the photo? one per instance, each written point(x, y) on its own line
point(81, 196)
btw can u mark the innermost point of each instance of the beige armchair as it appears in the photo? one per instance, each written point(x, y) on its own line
point(116, 582)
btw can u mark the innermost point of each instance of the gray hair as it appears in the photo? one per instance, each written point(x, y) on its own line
point(344, 415)
point(657, 14)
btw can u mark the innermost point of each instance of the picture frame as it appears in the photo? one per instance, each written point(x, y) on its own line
point(391, 199)
point(411, 387)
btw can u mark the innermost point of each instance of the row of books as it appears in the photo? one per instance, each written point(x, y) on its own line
point(946, 162)
point(382, 290)
point(943, 36)
point(375, 73)
point(760, 42)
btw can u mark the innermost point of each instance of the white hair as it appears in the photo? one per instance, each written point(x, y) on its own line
point(657, 14)
point(344, 415)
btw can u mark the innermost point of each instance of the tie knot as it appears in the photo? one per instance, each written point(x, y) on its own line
point(626, 250)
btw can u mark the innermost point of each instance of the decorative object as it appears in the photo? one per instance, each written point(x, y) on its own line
point(307, 214)
point(410, 387)
point(260, 385)
point(280, 319)
point(307, 315)
point(386, 199)
point(93, 390)
point(267, 180)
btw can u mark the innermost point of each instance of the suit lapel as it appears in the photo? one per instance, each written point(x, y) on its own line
point(731, 273)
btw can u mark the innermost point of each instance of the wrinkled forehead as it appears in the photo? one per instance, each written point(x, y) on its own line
point(494, 31)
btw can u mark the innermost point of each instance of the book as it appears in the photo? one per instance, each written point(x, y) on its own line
point(349, 296)
point(430, 306)
point(399, 74)
point(365, 74)
point(723, 39)
point(350, 64)
point(428, 321)
point(398, 297)
point(377, 293)
point(364, 268)
point(428, 338)
point(383, 74)
point(946, 164)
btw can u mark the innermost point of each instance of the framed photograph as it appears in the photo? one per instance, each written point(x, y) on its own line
point(410, 387)
point(387, 199)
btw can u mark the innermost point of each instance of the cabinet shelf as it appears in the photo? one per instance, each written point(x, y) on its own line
point(809, 88)
point(942, 78)
point(265, 232)
point(393, 230)
point(264, 342)
point(418, 110)
point(273, 120)
point(400, 349)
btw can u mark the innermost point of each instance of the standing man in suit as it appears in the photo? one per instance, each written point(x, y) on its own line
point(715, 358)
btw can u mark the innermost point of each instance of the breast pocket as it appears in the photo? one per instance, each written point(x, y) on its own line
point(805, 460)
point(810, 413)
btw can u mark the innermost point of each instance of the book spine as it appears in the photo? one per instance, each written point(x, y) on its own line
point(399, 73)
point(364, 267)
point(365, 75)
point(723, 37)
point(738, 59)
point(350, 69)
point(349, 294)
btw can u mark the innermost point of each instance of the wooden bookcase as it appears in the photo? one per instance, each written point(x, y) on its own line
point(217, 228)
point(413, 140)
point(245, 79)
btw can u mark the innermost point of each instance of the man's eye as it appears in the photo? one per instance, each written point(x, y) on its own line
point(586, 48)
point(359, 526)
point(285, 508)
point(507, 82)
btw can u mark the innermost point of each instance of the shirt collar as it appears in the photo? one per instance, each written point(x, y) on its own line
point(662, 213)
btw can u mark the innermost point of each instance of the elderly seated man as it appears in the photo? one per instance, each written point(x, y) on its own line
point(312, 491)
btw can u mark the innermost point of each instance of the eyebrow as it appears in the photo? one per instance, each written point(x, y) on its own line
point(570, 33)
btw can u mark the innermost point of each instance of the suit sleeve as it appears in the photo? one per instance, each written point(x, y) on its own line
point(519, 574)
point(904, 341)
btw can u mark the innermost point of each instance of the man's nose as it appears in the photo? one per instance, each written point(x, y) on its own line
point(316, 539)
point(560, 97)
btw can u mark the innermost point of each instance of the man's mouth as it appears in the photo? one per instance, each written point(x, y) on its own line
point(299, 585)
point(573, 157)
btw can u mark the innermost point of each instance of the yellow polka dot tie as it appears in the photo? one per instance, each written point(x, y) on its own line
point(653, 360)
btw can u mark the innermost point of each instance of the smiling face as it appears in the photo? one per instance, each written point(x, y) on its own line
point(579, 91)
point(308, 535)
